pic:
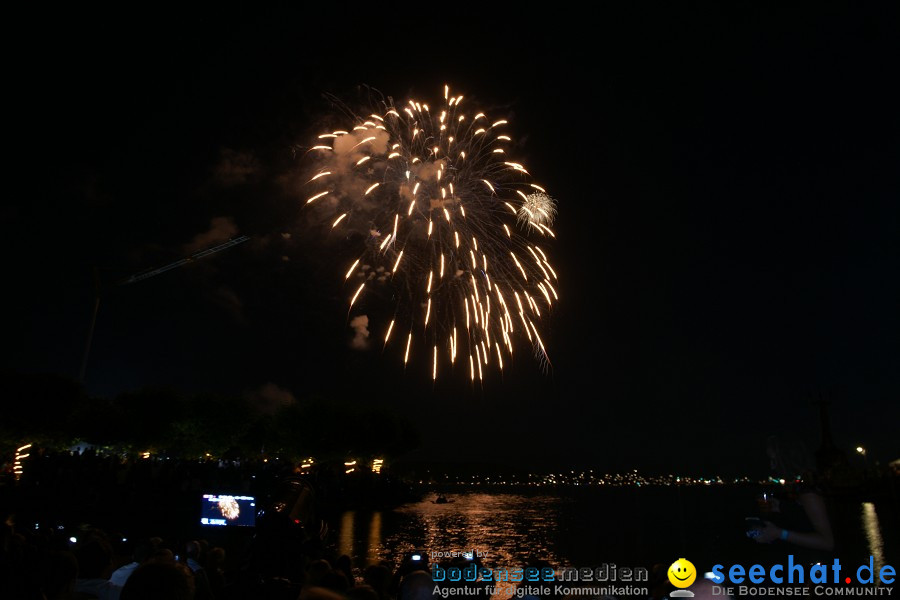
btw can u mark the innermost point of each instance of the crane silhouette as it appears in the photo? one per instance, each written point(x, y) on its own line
point(141, 277)
point(189, 259)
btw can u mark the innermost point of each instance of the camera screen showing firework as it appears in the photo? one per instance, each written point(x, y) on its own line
point(449, 233)
point(222, 510)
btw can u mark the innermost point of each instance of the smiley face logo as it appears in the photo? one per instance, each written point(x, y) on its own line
point(682, 573)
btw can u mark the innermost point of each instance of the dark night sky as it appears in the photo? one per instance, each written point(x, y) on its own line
point(728, 232)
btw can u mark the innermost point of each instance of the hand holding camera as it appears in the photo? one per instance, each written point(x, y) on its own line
point(754, 527)
point(763, 532)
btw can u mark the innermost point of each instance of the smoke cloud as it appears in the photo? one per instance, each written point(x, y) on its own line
point(349, 180)
point(360, 326)
point(269, 398)
point(221, 229)
point(234, 168)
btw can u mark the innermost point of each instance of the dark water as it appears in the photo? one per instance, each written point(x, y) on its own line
point(626, 526)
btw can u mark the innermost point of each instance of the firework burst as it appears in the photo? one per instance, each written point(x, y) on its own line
point(229, 508)
point(433, 199)
point(538, 209)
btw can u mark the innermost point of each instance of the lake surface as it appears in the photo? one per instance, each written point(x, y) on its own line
point(585, 528)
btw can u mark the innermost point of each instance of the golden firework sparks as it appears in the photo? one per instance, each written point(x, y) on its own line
point(229, 507)
point(438, 195)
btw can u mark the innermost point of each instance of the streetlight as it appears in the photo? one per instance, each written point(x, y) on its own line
point(865, 455)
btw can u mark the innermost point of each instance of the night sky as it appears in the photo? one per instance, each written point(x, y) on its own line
point(728, 240)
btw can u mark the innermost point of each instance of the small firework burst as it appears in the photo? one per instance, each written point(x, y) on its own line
point(538, 210)
point(229, 508)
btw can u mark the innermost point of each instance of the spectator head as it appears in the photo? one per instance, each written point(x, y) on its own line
point(143, 550)
point(159, 581)
point(62, 570)
point(416, 586)
point(704, 589)
point(379, 577)
point(216, 558)
point(316, 571)
point(335, 581)
point(362, 592)
point(94, 559)
point(162, 555)
point(123, 549)
point(344, 565)
point(316, 593)
point(192, 550)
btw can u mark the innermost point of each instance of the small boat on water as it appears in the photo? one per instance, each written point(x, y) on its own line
point(442, 500)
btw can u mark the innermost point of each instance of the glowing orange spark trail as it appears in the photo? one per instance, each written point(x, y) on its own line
point(444, 220)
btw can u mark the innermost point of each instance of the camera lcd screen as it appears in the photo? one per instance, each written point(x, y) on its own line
point(226, 510)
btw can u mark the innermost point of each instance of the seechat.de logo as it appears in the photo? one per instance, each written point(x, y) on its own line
point(794, 572)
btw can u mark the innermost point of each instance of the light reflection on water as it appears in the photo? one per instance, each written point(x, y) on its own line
point(873, 534)
point(345, 541)
point(506, 529)
point(628, 527)
point(374, 545)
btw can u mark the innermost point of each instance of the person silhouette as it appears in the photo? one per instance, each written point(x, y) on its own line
point(795, 512)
